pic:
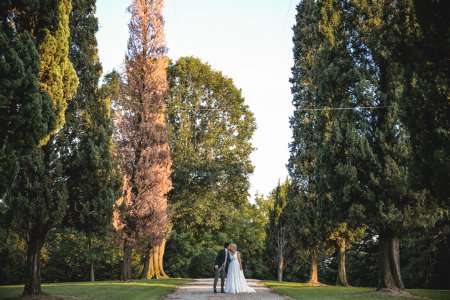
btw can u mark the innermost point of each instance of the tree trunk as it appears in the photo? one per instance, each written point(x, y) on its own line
point(162, 249)
point(280, 268)
point(151, 266)
point(389, 259)
point(92, 270)
point(146, 264)
point(154, 262)
point(126, 266)
point(342, 273)
point(92, 275)
point(313, 277)
point(33, 278)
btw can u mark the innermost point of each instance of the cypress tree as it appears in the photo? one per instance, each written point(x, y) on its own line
point(363, 156)
point(56, 75)
point(302, 207)
point(423, 39)
point(87, 150)
point(339, 137)
point(390, 205)
point(37, 199)
point(25, 111)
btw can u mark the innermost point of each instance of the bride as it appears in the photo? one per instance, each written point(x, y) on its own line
point(236, 282)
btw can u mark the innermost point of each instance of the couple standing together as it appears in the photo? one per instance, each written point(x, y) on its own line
point(228, 261)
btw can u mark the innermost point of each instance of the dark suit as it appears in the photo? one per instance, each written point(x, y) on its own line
point(222, 261)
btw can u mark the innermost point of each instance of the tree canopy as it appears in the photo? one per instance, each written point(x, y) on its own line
point(210, 131)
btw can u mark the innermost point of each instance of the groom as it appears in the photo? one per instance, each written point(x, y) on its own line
point(220, 266)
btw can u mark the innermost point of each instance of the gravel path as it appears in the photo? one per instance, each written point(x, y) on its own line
point(203, 289)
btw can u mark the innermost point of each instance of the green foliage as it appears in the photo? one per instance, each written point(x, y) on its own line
point(210, 128)
point(64, 257)
point(37, 199)
point(66, 254)
point(298, 268)
point(354, 168)
point(25, 112)
point(423, 39)
point(389, 202)
point(92, 173)
point(426, 259)
point(201, 264)
point(338, 133)
point(246, 228)
point(12, 258)
point(302, 221)
point(277, 224)
point(422, 51)
point(56, 74)
point(179, 252)
point(362, 261)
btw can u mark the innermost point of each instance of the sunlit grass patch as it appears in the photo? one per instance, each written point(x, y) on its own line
point(304, 291)
point(108, 290)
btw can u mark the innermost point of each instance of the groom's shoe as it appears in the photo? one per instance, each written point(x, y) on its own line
point(222, 291)
point(215, 291)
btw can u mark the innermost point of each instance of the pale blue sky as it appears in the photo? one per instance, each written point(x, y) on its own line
point(249, 41)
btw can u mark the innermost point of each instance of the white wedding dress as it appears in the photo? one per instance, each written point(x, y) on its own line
point(236, 282)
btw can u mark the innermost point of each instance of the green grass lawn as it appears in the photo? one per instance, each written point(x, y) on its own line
point(108, 290)
point(305, 292)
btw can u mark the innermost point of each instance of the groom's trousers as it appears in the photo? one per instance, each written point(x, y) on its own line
point(219, 272)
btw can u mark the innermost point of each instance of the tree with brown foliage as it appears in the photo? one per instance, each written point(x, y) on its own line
point(142, 135)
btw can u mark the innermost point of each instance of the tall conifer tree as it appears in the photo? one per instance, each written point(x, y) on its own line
point(423, 38)
point(389, 204)
point(302, 207)
point(56, 75)
point(25, 112)
point(143, 138)
point(37, 199)
point(87, 150)
point(357, 64)
point(339, 128)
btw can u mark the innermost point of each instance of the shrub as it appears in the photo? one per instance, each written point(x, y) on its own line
point(202, 265)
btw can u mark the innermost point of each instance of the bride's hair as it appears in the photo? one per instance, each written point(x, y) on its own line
point(234, 246)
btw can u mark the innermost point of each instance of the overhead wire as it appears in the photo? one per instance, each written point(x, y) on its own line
point(345, 108)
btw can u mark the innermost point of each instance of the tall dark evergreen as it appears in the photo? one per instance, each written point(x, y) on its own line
point(423, 39)
point(339, 133)
point(361, 166)
point(390, 205)
point(25, 112)
point(301, 209)
point(37, 199)
point(92, 174)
